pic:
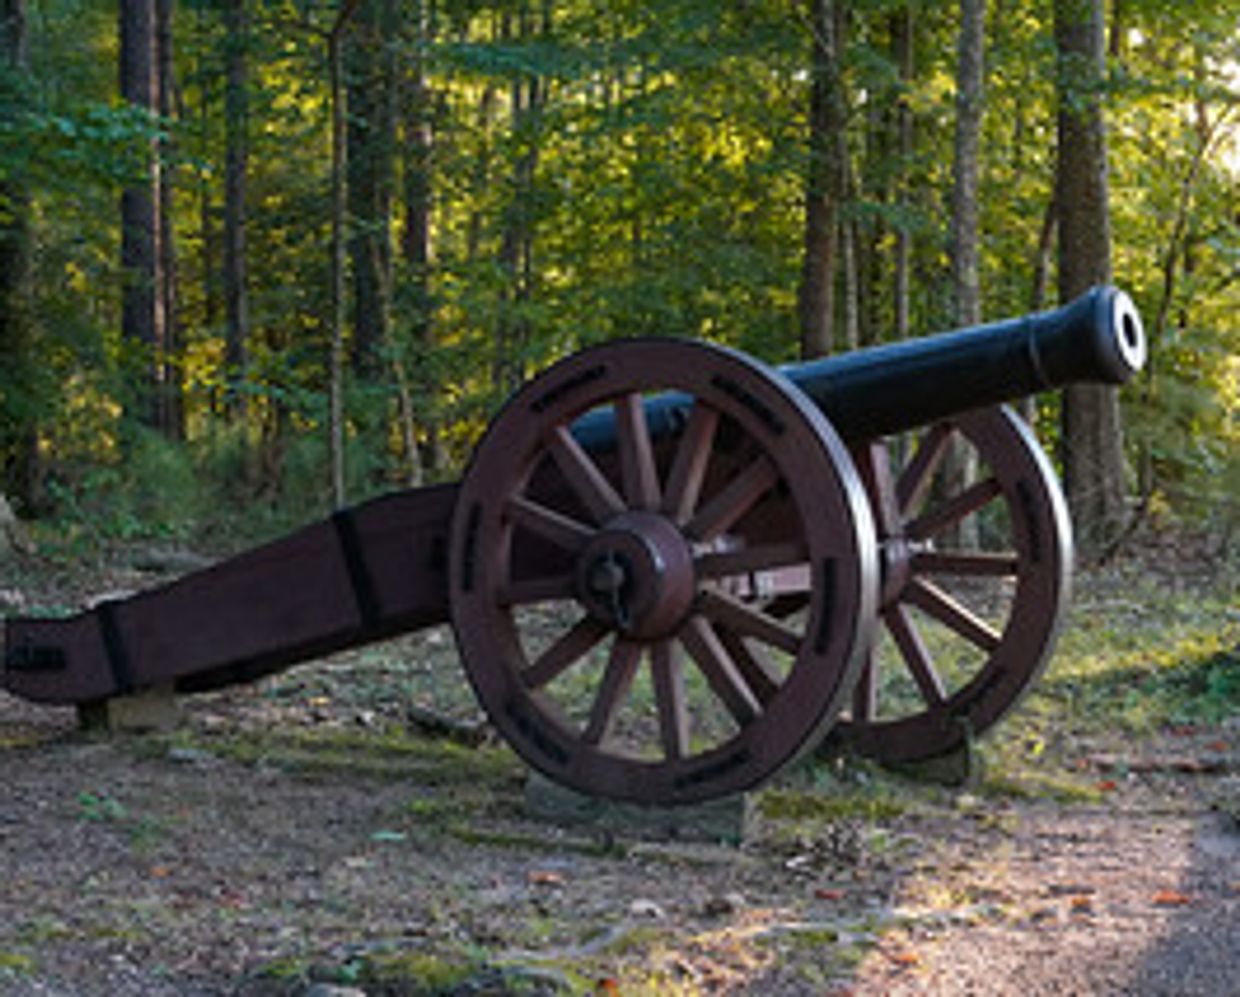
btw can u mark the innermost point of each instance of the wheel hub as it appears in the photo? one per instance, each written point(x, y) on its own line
point(637, 576)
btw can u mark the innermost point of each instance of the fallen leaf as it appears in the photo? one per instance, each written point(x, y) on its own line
point(607, 985)
point(160, 872)
point(1171, 898)
point(1106, 786)
point(544, 877)
point(388, 836)
point(1082, 905)
point(827, 893)
point(1217, 746)
point(905, 958)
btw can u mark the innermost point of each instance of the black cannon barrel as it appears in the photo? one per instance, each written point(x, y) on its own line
point(868, 393)
point(1098, 337)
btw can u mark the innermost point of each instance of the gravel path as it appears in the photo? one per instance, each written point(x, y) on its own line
point(1131, 900)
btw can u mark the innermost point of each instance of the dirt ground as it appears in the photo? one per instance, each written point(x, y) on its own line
point(157, 865)
point(307, 837)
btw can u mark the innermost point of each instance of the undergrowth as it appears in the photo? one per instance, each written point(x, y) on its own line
point(1136, 661)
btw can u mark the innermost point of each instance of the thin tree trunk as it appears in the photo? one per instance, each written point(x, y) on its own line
point(18, 428)
point(970, 97)
point(339, 202)
point(142, 304)
point(824, 184)
point(902, 45)
point(171, 386)
point(371, 139)
point(206, 209)
point(416, 246)
point(236, 170)
point(961, 464)
point(513, 329)
point(1039, 289)
point(1092, 440)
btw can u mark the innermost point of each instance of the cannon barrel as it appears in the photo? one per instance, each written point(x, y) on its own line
point(867, 393)
point(885, 389)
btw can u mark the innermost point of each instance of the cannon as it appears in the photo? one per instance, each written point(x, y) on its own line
point(671, 569)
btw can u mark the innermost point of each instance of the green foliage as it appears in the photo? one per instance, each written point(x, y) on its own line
point(100, 807)
point(150, 490)
point(616, 169)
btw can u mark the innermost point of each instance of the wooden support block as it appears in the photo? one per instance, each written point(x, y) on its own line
point(720, 821)
point(153, 709)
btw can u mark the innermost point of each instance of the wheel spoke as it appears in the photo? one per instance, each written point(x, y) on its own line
point(704, 646)
point(748, 560)
point(873, 462)
point(669, 695)
point(954, 509)
point(790, 601)
point(543, 588)
point(564, 653)
point(981, 564)
point(948, 611)
point(637, 467)
point(583, 475)
point(734, 500)
point(684, 480)
point(613, 690)
point(916, 656)
point(561, 530)
point(752, 663)
point(735, 615)
point(915, 481)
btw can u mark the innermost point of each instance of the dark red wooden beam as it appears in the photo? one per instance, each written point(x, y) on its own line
point(366, 573)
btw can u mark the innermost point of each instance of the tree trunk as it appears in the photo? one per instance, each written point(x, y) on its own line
point(902, 48)
point(236, 168)
point(18, 426)
point(970, 96)
point(143, 301)
point(824, 188)
point(209, 253)
point(371, 137)
point(1039, 288)
point(416, 244)
point(516, 256)
point(339, 207)
point(961, 465)
point(1093, 455)
point(171, 387)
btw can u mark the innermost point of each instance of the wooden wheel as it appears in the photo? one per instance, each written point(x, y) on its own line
point(599, 594)
point(975, 580)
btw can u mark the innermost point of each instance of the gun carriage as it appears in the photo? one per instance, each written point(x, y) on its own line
point(671, 569)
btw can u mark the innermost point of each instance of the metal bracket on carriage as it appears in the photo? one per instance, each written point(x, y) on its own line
point(35, 658)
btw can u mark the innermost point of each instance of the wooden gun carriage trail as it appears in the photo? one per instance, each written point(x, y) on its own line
point(672, 569)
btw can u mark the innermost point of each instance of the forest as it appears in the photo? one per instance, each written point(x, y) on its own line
point(260, 258)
